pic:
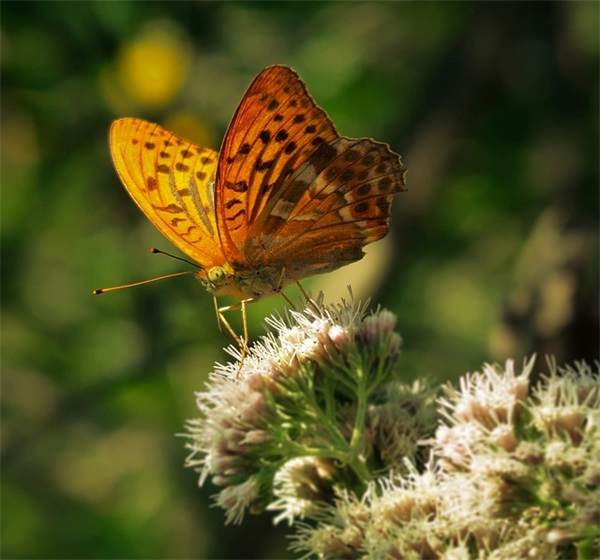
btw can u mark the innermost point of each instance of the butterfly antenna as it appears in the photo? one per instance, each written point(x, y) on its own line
point(160, 252)
point(122, 287)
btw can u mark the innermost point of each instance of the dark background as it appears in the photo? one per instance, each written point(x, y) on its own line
point(492, 253)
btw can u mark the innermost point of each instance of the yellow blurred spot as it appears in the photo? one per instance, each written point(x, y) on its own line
point(153, 68)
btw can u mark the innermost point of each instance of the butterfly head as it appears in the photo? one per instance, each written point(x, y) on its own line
point(217, 276)
point(216, 279)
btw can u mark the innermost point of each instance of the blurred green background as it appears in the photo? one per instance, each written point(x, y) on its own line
point(492, 253)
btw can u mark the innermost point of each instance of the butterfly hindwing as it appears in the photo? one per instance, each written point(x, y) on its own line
point(337, 202)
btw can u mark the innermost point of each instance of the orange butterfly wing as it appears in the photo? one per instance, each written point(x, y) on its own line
point(276, 127)
point(331, 207)
point(172, 181)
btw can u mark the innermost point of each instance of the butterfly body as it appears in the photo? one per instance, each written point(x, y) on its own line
point(241, 282)
point(287, 196)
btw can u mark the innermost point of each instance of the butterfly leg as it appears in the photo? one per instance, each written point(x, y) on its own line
point(242, 342)
point(228, 333)
point(308, 299)
point(279, 289)
point(289, 301)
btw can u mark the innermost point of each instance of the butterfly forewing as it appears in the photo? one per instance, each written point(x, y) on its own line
point(275, 129)
point(172, 181)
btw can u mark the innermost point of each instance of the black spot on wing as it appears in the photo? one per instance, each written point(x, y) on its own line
point(238, 186)
point(281, 136)
point(263, 165)
point(290, 147)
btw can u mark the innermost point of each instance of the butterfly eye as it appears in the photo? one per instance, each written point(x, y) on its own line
point(217, 275)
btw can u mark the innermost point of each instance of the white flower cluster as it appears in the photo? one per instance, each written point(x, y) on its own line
point(315, 426)
point(314, 411)
point(511, 475)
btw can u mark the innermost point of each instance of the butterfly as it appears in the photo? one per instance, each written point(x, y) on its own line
point(285, 198)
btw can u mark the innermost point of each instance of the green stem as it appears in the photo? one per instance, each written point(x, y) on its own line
point(357, 459)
